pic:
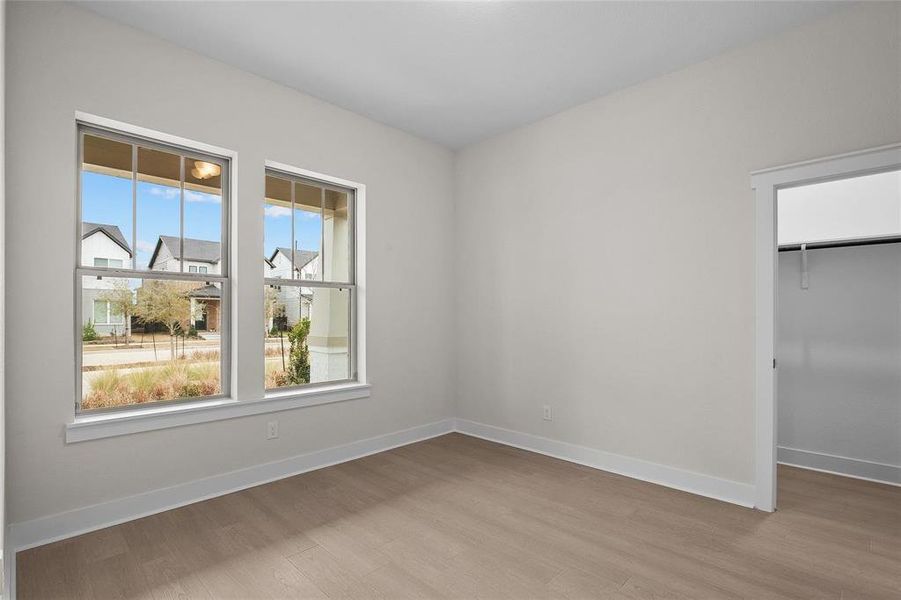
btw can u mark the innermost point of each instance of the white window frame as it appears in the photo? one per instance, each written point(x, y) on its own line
point(357, 284)
point(132, 272)
point(766, 185)
point(85, 427)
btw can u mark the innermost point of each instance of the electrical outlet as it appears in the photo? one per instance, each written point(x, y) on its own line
point(547, 415)
point(272, 430)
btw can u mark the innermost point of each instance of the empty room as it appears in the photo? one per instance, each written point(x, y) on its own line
point(434, 300)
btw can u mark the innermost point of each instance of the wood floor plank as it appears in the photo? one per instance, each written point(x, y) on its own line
point(459, 517)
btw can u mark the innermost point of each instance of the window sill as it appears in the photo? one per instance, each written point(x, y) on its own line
point(93, 427)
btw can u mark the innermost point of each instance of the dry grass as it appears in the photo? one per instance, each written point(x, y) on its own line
point(174, 380)
point(276, 377)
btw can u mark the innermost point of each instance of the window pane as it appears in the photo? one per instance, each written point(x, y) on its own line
point(307, 335)
point(99, 311)
point(101, 262)
point(336, 236)
point(159, 212)
point(203, 211)
point(106, 200)
point(277, 228)
point(307, 230)
point(163, 342)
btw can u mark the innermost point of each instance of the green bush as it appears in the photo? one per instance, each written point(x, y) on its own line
point(299, 357)
point(88, 333)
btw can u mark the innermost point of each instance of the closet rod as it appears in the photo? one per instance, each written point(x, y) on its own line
point(889, 239)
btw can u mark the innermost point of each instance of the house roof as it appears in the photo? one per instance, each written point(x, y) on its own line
point(196, 250)
point(207, 291)
point(301, 257)
point(111, 231)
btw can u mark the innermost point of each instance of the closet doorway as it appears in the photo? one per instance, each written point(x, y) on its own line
point(828, 327)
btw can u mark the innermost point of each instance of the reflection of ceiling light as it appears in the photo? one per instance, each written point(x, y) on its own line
point(204, 170)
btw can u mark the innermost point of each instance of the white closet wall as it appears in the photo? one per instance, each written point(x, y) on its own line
point(839, 352)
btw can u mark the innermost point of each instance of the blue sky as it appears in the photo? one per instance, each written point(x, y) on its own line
point(107, 199)
point(277, 226)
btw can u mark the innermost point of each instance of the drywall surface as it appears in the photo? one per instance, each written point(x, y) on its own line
point(839, 349)
point(605, 255)
point(60, 59)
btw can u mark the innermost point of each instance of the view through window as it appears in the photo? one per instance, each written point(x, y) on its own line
point(309, 273)
point(152, 274)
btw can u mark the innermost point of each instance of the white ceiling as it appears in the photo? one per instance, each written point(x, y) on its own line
point(458, 72)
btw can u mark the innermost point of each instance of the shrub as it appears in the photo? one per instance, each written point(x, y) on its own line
point(275, 377)
point(88, 333)
point(299, 356)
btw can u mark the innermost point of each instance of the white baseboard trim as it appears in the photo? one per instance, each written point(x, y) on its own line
point(840, 465)
point(29, 534)
point(686, 481)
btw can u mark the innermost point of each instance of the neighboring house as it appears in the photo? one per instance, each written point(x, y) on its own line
point(103, 245)
point(200, 256)
point(306, 263)
point(297, 302)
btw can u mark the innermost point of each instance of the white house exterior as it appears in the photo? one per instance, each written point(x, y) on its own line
point(201, 256)
point(297, 302)
point(103, 245)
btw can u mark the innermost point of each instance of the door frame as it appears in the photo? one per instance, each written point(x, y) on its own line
point(766, 183)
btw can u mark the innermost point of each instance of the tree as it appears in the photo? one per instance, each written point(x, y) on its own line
point(167, 303)
point(273, 308)
point(299, 365)
point(121, 299)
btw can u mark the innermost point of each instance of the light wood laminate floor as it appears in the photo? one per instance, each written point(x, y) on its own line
point(458, 517)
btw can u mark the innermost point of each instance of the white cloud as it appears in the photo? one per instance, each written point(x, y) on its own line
point(191, 196)
point(145, 246)
point(277, 211)
point(166, 192)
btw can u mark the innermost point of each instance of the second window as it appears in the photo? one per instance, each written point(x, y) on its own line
point(309, 295)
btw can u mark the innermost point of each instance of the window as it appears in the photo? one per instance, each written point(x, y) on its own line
point(116, 263)
point(157, 329)
point(107, 312)
point(310, 292)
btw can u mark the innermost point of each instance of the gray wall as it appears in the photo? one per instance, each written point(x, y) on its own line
point(839, 350)
point(635, 211)
point(60, 59)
